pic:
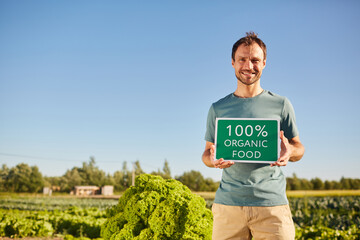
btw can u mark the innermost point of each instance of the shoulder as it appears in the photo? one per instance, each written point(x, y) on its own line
point(277, 98)
point(223, 100)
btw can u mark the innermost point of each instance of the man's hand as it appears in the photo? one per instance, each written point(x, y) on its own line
point(220, 163)
point(291, 150)
point(208, 158)
point(285, 152)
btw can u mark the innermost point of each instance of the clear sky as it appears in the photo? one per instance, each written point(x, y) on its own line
point(133, 80)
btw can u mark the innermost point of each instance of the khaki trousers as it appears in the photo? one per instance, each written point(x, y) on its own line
point(235, 222)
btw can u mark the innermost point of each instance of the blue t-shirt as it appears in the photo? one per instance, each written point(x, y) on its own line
point(252, 184)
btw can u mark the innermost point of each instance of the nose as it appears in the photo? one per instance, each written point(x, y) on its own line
point(248, 64)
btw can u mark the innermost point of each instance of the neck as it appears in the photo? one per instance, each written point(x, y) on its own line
point(248, 91)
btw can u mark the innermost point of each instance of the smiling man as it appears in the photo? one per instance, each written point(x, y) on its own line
point(251, 199)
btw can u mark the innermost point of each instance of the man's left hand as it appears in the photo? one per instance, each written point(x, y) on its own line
point(285, 153)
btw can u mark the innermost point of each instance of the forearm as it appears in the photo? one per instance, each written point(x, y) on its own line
point(206, 158)
point(297, 151)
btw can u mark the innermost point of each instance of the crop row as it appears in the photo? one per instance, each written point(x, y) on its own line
point(74, 221)
point(54, 203)
point(314, 217)
point(325, 217)
point(338, 213)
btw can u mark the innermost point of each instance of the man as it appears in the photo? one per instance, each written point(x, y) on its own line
point(251, 199)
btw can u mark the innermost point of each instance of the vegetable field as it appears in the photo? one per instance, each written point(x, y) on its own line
point(336, 217)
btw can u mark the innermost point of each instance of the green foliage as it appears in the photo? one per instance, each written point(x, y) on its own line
point(73, 221)
point(14, 223)
point(24, 178)
point(295, 183)
point(326, 217)
point(54, 203)
point(196, 182)
point(88, 174)
point(156, 208)
point(338, 213)
point(21, 178)
point(165, 173)
point(314, 217)
point(322, 233)
point(322, 218)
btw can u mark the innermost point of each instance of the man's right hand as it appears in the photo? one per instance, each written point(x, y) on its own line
point(209, 158)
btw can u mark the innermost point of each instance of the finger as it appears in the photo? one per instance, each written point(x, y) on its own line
point(283, 138)
point(212, 149)
point(280, 163)
point(226, 164)
point(217, 163)
point(221, 163)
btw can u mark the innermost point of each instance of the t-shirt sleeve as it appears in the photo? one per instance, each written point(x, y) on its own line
point(210, 125)
point(288, 120)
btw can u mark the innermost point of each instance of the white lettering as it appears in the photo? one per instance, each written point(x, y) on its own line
point(234, 153)
point(228, 143)
point(247, 143)
point(249, 154)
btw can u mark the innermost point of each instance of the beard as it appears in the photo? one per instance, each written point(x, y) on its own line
point(248, 81)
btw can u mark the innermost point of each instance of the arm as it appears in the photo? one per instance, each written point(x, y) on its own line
point(209, 159)
point(291, 150)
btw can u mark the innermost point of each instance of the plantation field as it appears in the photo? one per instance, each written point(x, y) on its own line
point(322, 193)
point(301, 193)
point(315, 216)
point(41, 203)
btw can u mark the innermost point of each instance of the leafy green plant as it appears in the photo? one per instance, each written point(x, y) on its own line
point(156, 208)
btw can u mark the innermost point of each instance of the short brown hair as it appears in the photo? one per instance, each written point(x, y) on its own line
point(250, 39)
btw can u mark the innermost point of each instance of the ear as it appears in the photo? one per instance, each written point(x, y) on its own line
point(232, 62)
point(264, 63)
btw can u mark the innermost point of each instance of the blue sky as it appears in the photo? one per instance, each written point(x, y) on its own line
point(133, 80)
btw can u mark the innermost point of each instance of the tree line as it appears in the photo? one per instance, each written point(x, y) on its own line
point(295, 183)
point(25, 178)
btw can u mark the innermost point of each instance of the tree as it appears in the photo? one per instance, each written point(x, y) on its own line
point(71, 179)
point(4, 173)
point(306, 184)
point(193, 180)
point(126, 176)
point(166, 173)
point(138, 170)
point(196, 182)
point(23, 178)
point(348, 183)
point(36, 181)
point(166, 170)
point(210, 185)
point(293, 183)
point(91, 174)
point(53, 182)
point(317, 183)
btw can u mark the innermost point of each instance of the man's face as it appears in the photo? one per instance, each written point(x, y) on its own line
point(249, 63)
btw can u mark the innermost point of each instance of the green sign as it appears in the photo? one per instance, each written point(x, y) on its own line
point(247, 139)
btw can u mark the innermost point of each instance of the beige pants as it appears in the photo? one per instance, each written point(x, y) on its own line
point(234, 222)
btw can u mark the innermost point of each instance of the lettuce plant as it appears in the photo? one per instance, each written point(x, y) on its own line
point(156, 208)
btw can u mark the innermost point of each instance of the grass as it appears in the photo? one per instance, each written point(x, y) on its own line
point(322, 193)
